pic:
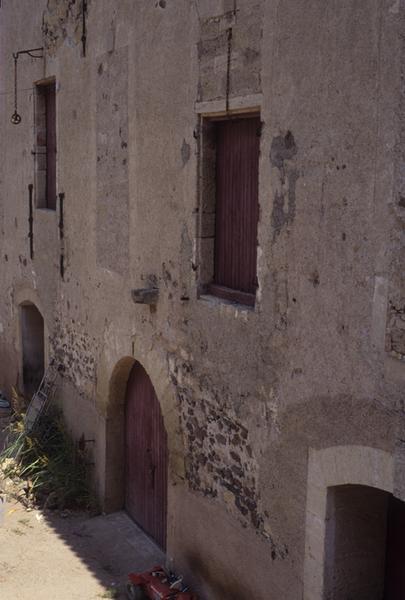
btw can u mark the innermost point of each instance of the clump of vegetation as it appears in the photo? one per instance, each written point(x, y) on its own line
point(19, 402)
point(46, 466)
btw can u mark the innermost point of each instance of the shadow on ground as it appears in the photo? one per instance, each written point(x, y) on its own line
point(52, 555)
point(111, 546)
point(69, 555)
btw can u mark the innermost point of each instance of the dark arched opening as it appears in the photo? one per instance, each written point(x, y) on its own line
point(33, 347)
point(364, 544)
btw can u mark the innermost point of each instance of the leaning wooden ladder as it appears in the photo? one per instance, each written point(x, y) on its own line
point(42, 398)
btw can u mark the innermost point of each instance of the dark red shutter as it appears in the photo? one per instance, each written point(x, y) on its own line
point(50, 107)
point(237, 207)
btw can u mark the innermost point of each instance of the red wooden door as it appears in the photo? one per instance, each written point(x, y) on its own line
point(146, 457)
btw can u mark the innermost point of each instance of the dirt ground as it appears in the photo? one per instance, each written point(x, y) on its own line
point(67, 555)
point(51, 555)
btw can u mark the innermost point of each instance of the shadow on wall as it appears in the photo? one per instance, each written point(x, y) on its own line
point(364, 544)
point(110, 546)
point(115, 436)
point(220, 585)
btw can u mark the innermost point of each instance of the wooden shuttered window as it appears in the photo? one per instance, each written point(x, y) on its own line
point(45, 151)
point(236, 209)
point(50, 104)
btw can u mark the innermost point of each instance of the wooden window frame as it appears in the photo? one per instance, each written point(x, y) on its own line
point(208, 206)
point(45, 147)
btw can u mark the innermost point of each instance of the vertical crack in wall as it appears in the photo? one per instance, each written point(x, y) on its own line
point(244, 66)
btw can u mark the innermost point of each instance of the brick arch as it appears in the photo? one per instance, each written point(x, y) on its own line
point(328, 468)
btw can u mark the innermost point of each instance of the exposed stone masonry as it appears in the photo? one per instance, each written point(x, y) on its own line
point(220, 462)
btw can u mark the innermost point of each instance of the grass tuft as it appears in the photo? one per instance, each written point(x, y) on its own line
point(50, 467)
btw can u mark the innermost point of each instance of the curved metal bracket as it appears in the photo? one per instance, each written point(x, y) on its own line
point(30, 53)
point(33, 53)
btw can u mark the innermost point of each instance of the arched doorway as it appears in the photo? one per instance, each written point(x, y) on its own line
point(146, 456)
point(364, 544)
point(355, 547)
point(33, 347)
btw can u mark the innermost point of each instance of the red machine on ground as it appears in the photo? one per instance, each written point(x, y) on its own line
point(157, 584)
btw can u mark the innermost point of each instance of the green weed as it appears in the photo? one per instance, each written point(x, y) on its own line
point(47, 459)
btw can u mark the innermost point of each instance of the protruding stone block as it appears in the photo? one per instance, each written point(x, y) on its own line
point(145, 295)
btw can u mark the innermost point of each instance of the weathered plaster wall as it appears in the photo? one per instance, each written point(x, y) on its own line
point(245, 393)
point(112, 162)
point(21, 279)
point(61, 24)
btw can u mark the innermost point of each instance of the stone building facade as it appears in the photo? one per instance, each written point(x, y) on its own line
point(285, 420)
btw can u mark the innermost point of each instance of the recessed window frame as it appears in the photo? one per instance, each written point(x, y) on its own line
point(45, 144)
point(207, 192)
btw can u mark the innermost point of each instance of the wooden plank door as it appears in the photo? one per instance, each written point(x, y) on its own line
point(237, 206)
point(146, 457)
point(395, 555)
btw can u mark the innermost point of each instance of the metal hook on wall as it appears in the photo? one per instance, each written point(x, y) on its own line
point(33, 53)
point(84, 26)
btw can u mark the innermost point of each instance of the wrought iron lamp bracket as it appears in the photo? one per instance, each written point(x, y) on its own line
point(33, 53)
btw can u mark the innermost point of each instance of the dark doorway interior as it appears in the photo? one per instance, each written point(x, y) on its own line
point(32, 332)
point(364, 545)
point(395, 558)
point(146, 456)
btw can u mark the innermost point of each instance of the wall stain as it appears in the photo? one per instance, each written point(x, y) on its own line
point(61, 22)
point(185, 152)
point(283, 149)
point(395, 335)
